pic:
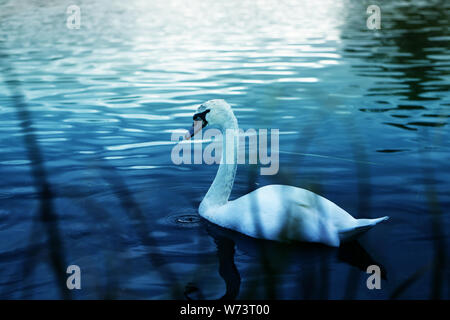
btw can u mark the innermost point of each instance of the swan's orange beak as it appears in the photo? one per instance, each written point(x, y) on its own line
point(196, 127)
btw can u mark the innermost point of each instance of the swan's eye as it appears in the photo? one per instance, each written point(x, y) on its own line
point(201, 117)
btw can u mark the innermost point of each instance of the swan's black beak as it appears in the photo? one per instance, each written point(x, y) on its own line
point(196, 127)
point(199, 123)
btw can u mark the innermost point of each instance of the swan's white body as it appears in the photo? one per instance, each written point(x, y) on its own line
point(273, 212)
point(286, 213)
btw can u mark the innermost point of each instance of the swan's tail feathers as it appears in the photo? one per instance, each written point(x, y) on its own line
point(362, 225)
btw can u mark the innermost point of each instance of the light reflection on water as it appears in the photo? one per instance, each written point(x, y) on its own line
point(365, 115)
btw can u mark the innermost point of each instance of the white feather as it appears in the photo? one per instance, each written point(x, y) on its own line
point(273, 212)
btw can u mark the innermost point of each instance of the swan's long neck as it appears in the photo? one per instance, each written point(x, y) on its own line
point(220, 189)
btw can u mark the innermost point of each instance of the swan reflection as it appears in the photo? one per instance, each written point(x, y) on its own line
point(308, 260)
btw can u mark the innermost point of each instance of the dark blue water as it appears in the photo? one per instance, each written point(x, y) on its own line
point(86, 120)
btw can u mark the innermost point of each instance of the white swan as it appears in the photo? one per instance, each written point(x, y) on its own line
point(273, 212)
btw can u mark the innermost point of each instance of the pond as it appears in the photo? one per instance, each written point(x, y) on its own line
point(86, 122)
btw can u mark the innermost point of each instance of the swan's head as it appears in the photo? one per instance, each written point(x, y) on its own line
point(213, 112)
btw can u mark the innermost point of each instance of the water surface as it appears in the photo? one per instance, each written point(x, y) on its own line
point(87, 116)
